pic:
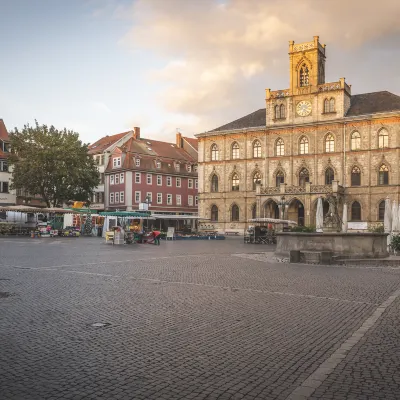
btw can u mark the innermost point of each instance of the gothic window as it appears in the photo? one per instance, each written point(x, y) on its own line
point(383, 178)
point(214, 213)
point(254, 211)
point(304, 176)
point(214, 183)
point(235, 151)
point(329, 143)
point(356, 211)
point(355, 141)
point(280, 178)
point(332, 105)
point(329, 176)
point(235, 213)
point(304, 75)
point(383, 139)
point(235, 182)
point(277, 112)
point(256, 149)
point(303, 145)
point(381, 210)
point(214, 152)
point(355, 176)
point(326, 106)
point(256, 180)
point(280, 147)
point(283, 111)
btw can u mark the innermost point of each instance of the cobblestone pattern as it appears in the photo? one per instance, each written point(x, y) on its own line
point(188, 327)
point(371, 369)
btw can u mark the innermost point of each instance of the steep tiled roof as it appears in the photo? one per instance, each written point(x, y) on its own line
point(3, 131)
point(156, 148)
point(191, 141)
point(104, 142)
point(257, 118)
point(370, 103)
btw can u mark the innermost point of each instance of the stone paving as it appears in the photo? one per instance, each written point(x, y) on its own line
point(192, 320)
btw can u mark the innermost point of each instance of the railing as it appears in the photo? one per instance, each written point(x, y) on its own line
point(307, 188)
point(270, 190)
point(320, 188)
point(280, 93)
point(329, 86)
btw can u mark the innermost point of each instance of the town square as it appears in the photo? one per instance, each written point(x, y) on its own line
point(199, 199)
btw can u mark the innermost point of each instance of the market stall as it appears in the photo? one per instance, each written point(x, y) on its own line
point(263, 230)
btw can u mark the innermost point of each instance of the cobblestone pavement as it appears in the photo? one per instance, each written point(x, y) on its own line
point(192, 320)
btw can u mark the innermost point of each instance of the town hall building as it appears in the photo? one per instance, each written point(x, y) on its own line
point(313, 139)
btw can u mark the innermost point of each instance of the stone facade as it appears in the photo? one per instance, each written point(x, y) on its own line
point(314, 138)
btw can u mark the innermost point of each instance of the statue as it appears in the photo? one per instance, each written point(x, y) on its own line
point(332, 219)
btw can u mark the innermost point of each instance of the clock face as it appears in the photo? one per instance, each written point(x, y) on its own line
point(303, 108)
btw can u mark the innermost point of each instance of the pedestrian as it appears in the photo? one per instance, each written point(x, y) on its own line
point(156, 235)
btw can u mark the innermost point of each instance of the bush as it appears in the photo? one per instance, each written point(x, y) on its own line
point(395, 243)
point(376, 228)
point(304, 229)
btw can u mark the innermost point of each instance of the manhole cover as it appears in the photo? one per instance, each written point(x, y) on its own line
point(101, 324)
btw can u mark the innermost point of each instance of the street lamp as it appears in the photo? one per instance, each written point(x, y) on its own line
point(283, 207)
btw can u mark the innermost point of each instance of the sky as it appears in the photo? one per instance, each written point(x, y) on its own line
point(100, 67)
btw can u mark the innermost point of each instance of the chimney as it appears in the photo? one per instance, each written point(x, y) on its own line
point(136, 132)
point(178, 140)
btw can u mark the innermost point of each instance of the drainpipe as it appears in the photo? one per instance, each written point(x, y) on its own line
point(344, 155)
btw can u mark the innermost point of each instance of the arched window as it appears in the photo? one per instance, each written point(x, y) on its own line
point(383, 178)
point(329, 176)
point(329, 143)
point(303, 145)
point(214, 183)
point(383, 139)
point(277, 112)
point(381, 210)
point(214, 213)
point(235, 213)
point(235, 182)
point(355, 176)
point(256, 149)
point(235, 151)
point(355, 141)
point(280, 147)
point(254, 211)
point(283, 111)
point(332, 105)
point(304, 176)
point(280, 178)
point(356, 211)
point(326, 106)
point(304, 75)
point(256, 180)
point(214, 152)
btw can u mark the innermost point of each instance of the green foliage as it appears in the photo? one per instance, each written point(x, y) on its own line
point(376, 228)
point(395, 243)
point(53, 164)
point(304, 229)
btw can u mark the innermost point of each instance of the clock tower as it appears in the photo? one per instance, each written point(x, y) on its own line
point(306, 100)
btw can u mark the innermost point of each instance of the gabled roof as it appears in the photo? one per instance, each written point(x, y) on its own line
point(3, 131)
point(156, 148)
point(105, 142)
point(371, 103)
point(255, 119)
point(192, 141)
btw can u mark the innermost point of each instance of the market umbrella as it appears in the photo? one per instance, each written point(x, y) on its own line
point(395, 217)
point(387, 219)
point(344, 219)
point(320, 215)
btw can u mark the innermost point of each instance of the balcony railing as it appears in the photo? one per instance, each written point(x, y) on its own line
point(307, 188)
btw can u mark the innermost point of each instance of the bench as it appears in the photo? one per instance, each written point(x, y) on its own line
point(231, 233)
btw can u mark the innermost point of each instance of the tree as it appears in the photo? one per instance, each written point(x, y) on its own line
point(53, 164)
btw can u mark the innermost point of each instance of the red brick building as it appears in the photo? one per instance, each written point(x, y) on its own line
point(150, 171)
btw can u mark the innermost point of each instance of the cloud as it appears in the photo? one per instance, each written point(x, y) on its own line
point(219, 56)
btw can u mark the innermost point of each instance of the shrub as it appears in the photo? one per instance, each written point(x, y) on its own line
point(304, 229)
point(376, 228)
point(395, 243)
